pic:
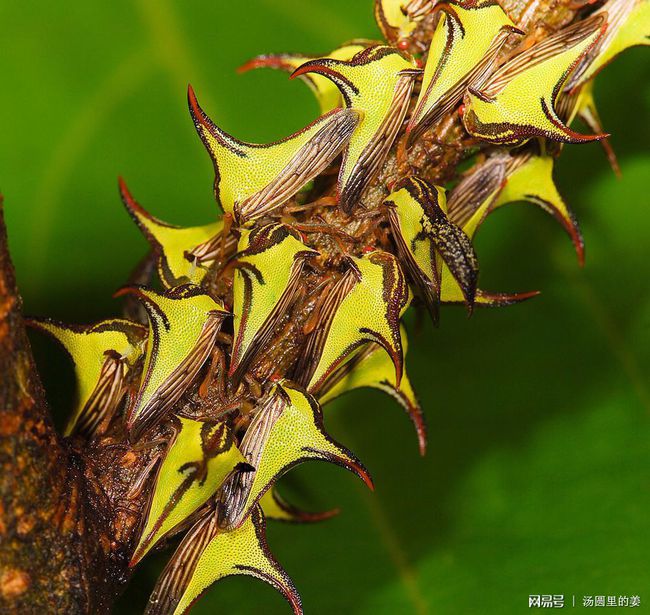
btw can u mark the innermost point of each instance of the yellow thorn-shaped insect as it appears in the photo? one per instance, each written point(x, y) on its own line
point(198, 460)
point(376, 82)
point(371, 367)
point(628, 25)
point(251, 179)
point(500, 180)
point(426, 239)
point(208, 554)
point(530, 178)
point(276, 508)
point(397, 19)
point(172, 244)
point(183, 325)
point(518, 100)
point(509, 178)
point(326, 93)
point(101, 354)
point(463, 49)
point(268, 265)
point(365, 305)
point(287, 430)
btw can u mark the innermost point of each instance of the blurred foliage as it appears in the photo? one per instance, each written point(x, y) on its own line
point(536, 480)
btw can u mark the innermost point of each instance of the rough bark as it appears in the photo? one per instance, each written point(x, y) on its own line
point(43, 564)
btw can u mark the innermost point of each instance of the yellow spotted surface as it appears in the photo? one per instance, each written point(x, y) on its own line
point(461, 40)
point(524, 105)
point(245, 169)
point(410, 216)
point(376, 371)
point(176, 321)
point(276, 170)
point(369, 312)
point(368, 86)
point(262, 276)
point(297, 435)
point(186, 460)
point(174, 242)
point(87, 347)
point(630, 30)
point(327, 94)
point(242, 551)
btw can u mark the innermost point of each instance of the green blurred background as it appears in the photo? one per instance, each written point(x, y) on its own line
point(536, 480)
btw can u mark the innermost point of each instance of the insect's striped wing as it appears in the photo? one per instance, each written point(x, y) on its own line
point(183, 324)
point(208, 554)
point(287, 430)
point(252, 180)
point(198, 460)
point(518, 101)
point(268, 267)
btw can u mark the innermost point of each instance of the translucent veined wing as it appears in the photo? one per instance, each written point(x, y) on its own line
point(376, 82)
point(183, 324)
point(102, 353)
point(252, 180)
point(197, 461)
point(518, 101)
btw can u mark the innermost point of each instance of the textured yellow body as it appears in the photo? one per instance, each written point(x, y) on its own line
point(268, 266)
point(296, 434)
point(370, 312)
point(518, 101)
point(87, 347)
point(465, 35)
point(252, 179)
point(376, 82)
point(242, 551)
point(178, 322)
point(189, 475)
